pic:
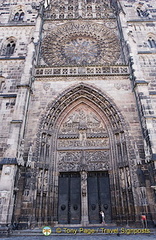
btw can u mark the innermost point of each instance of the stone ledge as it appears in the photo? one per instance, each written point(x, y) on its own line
point(17, 24)
point(16, 121)
point(142, 20)
point(8, 95)
point(12, 58)
point(152, 93)
point(152, 51)
point(55, 71)
point(10, 161)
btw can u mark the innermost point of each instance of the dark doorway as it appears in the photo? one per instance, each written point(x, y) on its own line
point(99, 196)
point(69, 204)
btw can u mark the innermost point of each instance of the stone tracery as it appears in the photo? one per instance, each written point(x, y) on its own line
point(80, 45)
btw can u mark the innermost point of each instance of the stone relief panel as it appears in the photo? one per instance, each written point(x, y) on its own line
point(83, 118)
point(79, 160)
point(83, 131)
point(81, 43)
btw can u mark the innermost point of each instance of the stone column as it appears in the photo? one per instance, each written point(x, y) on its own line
point(84, 199)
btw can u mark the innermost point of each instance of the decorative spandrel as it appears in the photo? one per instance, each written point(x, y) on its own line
point(83, 142)
point(83, 43)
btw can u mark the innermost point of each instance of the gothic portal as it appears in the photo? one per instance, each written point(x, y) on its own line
point(77, 102)
point(86, 137)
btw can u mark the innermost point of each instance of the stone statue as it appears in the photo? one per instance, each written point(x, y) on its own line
point(30, 155)
point(20, 153)
point(84, 183)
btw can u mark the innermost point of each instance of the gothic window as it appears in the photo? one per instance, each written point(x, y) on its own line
point(10, 47)
point(19, 16)
point(62, 8)
point(2, 85)
point(152, 43)
point(98, 8)
point(70, 15)
point(70, 8)
point(89, 8)
point(142, 12)
point(53, 16)
point(61, 16)
point(89, 15)
point(98, 15)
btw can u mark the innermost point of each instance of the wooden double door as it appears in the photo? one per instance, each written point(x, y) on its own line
point(70, 198)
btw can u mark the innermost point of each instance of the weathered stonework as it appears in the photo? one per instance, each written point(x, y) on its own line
point(77, 103)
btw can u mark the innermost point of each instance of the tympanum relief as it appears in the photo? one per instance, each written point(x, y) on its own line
point(83, 142)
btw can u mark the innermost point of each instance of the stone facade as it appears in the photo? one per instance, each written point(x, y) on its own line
point(77, 96)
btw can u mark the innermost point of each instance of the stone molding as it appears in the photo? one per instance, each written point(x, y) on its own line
point(80, 71)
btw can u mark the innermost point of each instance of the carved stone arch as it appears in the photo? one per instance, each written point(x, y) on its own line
point(82, 149)
point(55, 109)
point(81, 92)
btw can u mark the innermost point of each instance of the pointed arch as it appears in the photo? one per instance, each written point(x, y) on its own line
point(8, 46)
point(87, 92)
point(57, 151)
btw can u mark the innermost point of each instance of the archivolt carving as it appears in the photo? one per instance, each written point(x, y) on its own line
point(74, 43)
point(91, 133)
point(81, 91)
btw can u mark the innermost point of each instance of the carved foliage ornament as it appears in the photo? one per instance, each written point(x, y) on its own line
point(81, 44)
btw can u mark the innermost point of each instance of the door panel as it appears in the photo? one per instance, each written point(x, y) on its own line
point(104, 195)
point(93, 201)
point(69, 207)
point(98, 196)
point(63, 193)
point(75, 210)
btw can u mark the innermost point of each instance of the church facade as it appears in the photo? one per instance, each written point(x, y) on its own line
point(78, 112)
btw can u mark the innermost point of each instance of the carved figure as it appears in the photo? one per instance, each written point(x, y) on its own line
point(7, 171)
point(30, 155)
point(84, 183)
point(20, 153)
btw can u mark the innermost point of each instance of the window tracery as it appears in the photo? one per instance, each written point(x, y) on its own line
point(61, 16)
point(142, 11)
point(19, 16)
point(151, 42)
point(9, 47)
